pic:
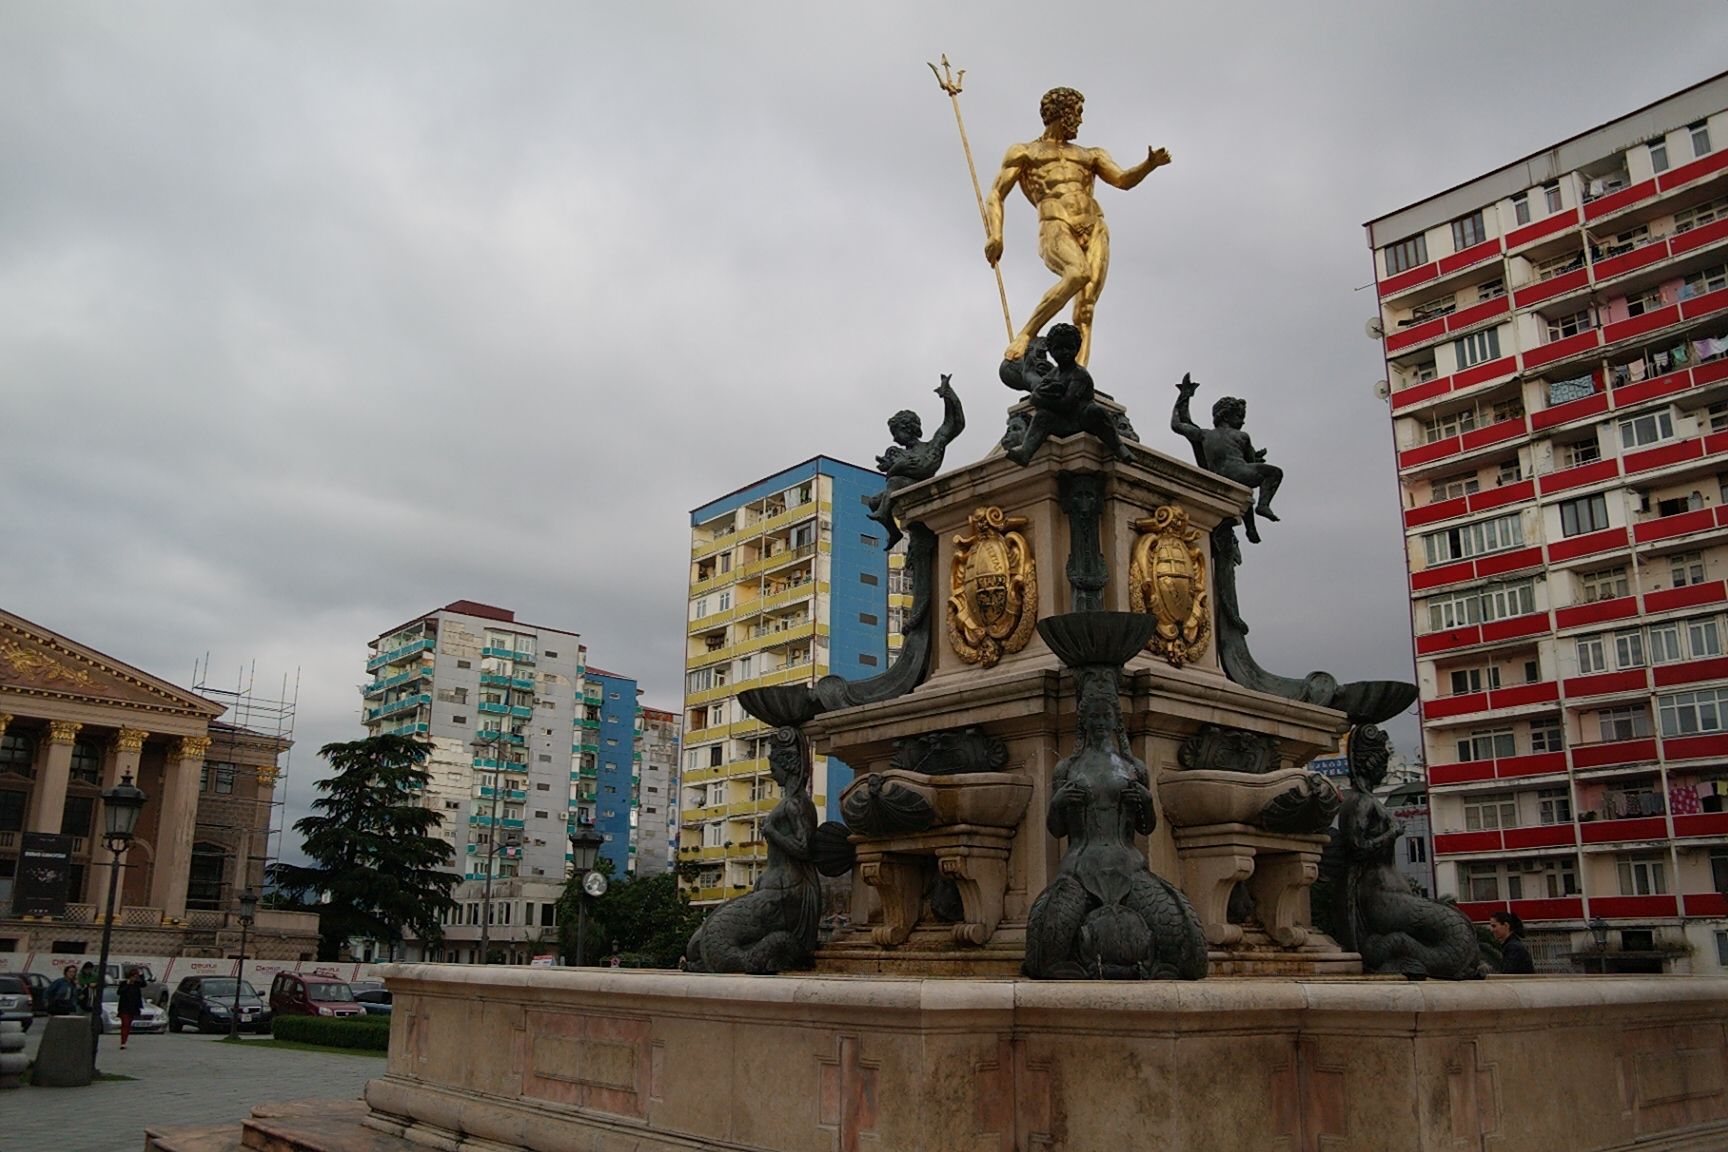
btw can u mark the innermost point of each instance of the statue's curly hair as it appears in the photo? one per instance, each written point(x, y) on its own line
point(907, 419)
point(1229, 405)
point(1063, 335)
point(1058, 101)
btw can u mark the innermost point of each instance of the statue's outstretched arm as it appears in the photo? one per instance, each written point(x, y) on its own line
point(953, 416)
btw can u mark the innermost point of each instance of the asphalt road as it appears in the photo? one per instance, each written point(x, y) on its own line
point(178, 1079)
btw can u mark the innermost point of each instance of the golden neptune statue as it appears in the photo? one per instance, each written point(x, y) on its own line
point(1056, 175)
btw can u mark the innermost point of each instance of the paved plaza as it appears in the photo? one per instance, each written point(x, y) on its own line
point(178, 1079)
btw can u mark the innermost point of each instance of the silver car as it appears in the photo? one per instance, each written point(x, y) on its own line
point(15, 1000)
point(151, 1019)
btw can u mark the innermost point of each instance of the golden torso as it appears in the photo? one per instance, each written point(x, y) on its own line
point(1057, 177)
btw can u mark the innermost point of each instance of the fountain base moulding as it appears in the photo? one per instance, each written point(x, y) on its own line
point(548, 1060)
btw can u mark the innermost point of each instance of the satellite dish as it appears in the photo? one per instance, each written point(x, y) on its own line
point(1373, 329)
point(1382, 390)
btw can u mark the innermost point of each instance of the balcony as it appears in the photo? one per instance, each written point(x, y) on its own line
point(1561, 908)
point(1625, 830)
point(1509, 700)
point(406, 704)
point(1504, 768)
point(485, 792)
point(493, 709)
point(408, 730)
point(1614, 753)
point(499, 680)
point(379, 687)
point(1474, 635)
point(397, 655)
point(1506, 839)
point(507, 654)
point(495, 736)
point(1449, 449)
point(1634, 907)
point(1449, 326)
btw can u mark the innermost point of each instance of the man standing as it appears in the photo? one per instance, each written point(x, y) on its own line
point(1508, 929)
point(1056, 176)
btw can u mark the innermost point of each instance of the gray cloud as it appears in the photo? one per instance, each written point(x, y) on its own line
point(314, 317)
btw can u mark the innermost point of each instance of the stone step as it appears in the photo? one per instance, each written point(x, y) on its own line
point(194, 1138)
point(315, 1126)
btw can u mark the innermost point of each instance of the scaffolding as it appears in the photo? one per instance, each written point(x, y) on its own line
point(251, 718)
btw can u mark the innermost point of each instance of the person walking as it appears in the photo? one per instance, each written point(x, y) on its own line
point(131, 1003)
point(87, 987)
point(1508, 929)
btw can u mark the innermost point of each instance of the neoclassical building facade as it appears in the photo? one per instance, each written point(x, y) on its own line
point(73, 722)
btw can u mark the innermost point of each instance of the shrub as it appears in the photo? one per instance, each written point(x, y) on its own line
point(367, 1033)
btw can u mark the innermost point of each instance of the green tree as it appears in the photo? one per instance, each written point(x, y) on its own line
point(646, 916)
point(376, 865)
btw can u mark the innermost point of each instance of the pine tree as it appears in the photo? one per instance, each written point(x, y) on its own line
point(377, 863)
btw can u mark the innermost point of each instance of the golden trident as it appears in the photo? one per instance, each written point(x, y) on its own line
point(950, 83)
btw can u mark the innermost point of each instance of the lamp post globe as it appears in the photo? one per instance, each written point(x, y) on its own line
point(120, 807)
point(585, 845)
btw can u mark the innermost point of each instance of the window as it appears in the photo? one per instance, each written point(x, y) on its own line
point(1487, 744)
point(1491, 812)
point(1545, 736)
point(1560, 327)
point(725, 601)
point(1664, 643)
point(17, 753)
point(713, 835)
point(464, 663)
point(1659, 156)
point(1509, 471)
point(1709, 280)
point(1643, 876)
point(868, 540)
point(1585, 514)
point(1644, 302)
point(1512, 409)
point(1603, 584)
point(1551, 197)
point(1554, 806)
point(1451, 424)
point(868, 578)
point(1630, 723)
point(1686, 713)
point(1493, 881)
point(1702, 214)
point(1466, 680)
point(224, 779)
point(1492, 290)
point(701, 608)
point(1476, 539)
point(1700, 138)
point(1406, 254)
point(1521, 208)
point(1580, 453)
point(1703, 638)
point(1629, 649)
point(867, 618)
point(1686, 568)
point(1650, 428)
point(867, 660)
point(1441, 306)
point(1453, 487)
point(1592, 655)
point(1478, 348)
point(1468, 231)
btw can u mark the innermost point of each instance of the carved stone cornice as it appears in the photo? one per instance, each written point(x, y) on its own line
point(194, 747)
point(130, 740)
point(62, 731)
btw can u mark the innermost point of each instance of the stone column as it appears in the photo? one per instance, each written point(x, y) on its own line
point(124, 752)
point(53, 770)
point(177, 820)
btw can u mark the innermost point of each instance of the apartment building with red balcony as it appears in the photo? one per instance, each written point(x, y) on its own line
point(1556, 344)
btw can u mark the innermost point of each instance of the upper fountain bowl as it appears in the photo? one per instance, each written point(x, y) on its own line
point(1082, 638)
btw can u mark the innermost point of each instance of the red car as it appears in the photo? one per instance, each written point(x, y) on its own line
point(296, 995)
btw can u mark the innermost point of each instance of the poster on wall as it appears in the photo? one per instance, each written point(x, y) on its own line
point(44, 880)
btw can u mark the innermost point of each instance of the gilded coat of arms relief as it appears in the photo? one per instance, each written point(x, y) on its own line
point(1167, 578)
point(993, 605)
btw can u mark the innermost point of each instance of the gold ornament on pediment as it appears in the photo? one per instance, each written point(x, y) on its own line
point(993, 604)
point(1167, 578)
point(267, 774)
point(28, 664)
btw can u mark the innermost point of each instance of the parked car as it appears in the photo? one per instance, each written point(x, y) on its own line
point(15, 1001)
point(292, 994)
point(38, 985)
point(151, 1019)
point(376, 1001)
point(207, 1004)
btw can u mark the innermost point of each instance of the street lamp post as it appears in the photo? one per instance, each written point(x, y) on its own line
point(120, 807)
point(1599, 930)
point(584, 849)
point(248, 906)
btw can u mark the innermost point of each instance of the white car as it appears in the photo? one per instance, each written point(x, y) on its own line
point(151, 1019)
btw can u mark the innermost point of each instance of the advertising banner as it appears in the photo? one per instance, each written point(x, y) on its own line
point(44, 877)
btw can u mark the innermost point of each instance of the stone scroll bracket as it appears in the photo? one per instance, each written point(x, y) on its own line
point(1279, 886)
point(981, 874)
point(1209, 875)
point(846, 1096)
point(899, 884)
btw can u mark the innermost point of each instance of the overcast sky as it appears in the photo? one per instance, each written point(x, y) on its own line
point(317, 316)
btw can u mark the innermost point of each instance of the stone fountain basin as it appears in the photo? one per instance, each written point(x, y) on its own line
point(987, 799)
point(1194, 797)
